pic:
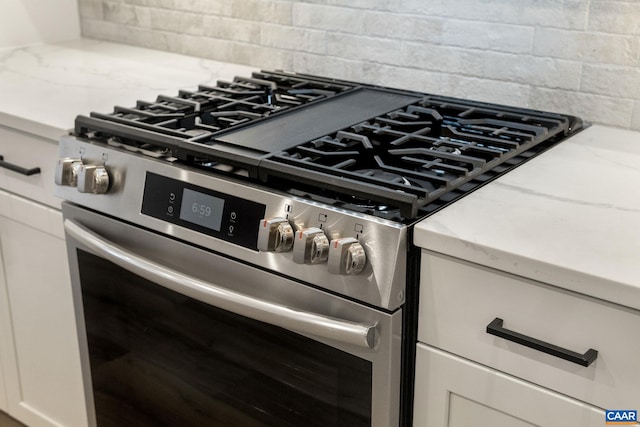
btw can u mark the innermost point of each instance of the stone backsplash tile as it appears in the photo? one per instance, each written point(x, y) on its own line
point(574, 56)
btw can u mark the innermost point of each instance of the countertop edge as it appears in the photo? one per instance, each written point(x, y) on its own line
point(561, 277)
point(50, 133)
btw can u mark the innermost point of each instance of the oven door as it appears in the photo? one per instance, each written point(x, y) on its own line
point(173, 335)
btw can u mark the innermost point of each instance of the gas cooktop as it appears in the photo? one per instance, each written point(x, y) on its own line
point(390, 153)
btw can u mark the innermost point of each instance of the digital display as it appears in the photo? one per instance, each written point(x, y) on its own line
point(202, 209)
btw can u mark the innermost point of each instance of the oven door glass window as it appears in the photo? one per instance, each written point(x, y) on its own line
point(159, 358)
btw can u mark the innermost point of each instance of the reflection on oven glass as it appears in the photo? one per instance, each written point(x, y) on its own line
point(159, 358)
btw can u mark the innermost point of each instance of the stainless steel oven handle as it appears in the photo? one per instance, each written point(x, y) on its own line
point(359, 334)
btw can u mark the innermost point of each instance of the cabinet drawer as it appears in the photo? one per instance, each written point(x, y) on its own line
point(453, 392)
point(459, 300)
point(28, 151)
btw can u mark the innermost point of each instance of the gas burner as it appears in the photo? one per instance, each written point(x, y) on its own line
point(384, 176)
point(446, 149)
point(365, 205)
point(370, 207)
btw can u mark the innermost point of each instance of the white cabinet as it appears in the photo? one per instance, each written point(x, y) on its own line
point(40, 375)
point(455, 392)
point(464, 372)
point(28, 151)
point(39, 347)
point(459, 300)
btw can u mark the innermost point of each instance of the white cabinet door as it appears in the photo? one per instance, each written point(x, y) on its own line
point(39, 352)
point(29, 151)
point(459, 300)
point(6, 336)
point(454, 392)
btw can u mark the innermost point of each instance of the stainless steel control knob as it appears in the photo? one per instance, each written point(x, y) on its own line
point(346, 256)
point(67, 170)
point(310, 246)
point(275, 235)
point(93, 179)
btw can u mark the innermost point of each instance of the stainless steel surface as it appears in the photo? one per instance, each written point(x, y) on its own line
point(346, 256)
point(311, 246)
point(275, 235)
point(380, 283)
point(359, 334)
point(242, 278)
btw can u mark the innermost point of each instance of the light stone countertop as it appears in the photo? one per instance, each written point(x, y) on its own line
point(569, 218)
point(44, 87)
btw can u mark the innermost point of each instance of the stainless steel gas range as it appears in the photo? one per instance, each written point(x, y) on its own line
point(241, 254)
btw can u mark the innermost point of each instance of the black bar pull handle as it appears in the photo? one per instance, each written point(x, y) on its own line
point(19, 169)
point(586, 359)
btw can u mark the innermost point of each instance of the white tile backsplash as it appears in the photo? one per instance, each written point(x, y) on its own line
point(573, 56)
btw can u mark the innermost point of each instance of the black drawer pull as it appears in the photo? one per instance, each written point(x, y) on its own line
point(495, 328)
point(19, 169)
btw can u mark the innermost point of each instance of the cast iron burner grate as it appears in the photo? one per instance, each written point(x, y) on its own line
point(415, 155)
point(196, 116)
point(372, 149)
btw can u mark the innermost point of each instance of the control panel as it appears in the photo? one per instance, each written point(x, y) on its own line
point(224, 216)
point(210, 212)
point(343, 255)
point(342, 251)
